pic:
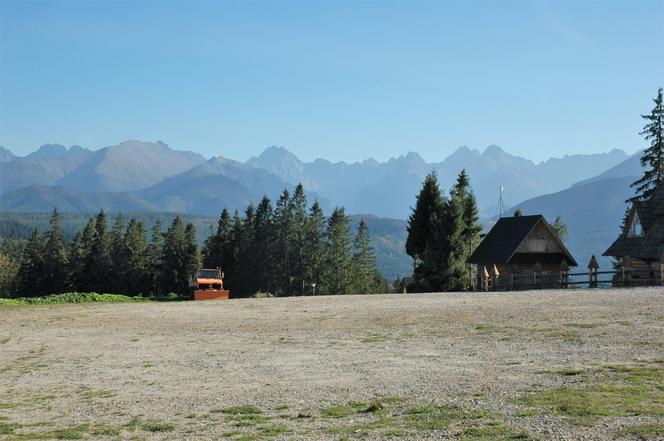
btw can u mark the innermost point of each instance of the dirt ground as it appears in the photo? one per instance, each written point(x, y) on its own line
point(533, 365)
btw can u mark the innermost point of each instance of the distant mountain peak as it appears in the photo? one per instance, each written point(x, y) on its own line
point(6, 155)
point(493, 150)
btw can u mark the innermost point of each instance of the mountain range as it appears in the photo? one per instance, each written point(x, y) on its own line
point(587, 191)
point(138, 175)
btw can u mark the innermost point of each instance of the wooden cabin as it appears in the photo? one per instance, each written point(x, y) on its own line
point(521, 252)
point(640, 247)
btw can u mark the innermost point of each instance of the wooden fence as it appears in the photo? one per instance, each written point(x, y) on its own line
point(626, 275)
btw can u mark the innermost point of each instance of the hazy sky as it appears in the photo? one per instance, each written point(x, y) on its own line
point(343, 80)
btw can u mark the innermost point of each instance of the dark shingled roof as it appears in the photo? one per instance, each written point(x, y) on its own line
point(499, 246)
point(650, 246)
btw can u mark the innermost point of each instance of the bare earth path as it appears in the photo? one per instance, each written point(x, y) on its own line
point(532, 365)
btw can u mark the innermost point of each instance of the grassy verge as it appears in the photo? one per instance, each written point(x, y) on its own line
point(72, 297)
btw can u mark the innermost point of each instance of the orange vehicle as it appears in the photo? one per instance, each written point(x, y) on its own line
point(209, 285)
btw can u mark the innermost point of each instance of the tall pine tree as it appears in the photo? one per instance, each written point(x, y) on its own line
point(429, 204)
point(337, 272)
point(299, 204)
point(55, 277)
point(364, 261)
point(653, 156)
point(283, 223)
point(156, 259)
point(314, 250)
point(31, 273)
point(138, 277)
point(99, 265)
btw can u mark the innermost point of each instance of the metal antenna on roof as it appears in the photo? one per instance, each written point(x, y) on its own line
point(501, 203)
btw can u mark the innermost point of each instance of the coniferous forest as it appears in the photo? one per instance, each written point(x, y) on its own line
point(290, 248)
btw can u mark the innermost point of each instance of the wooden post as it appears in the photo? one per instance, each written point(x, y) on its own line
point(485, 279)
point(495, 274)
point(564, 274)
point(627, 270)
point(593, 267)
point(537, 273)
point(516, 271)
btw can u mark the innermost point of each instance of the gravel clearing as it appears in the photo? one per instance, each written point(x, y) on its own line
point(415, 366)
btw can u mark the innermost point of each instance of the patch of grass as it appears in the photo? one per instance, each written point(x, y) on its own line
point(74, 432)
point(568, 336)
point(105, 430)
point(374, 406)
point(249, 420)
point(281, 406)
point(567, 372)
point(644, 431)
point(431, 417)
point(374, 338)
point(623, 323)
point(493, 431)
point(5, 340)
point(339, 411)
point(133, 423)
point(72, 297)
point(157, 426)
point(90, 394)
point(7, 428)
point(584, 325)
point(246, 409)
point(627, 392)
point(274, 430)
point(484, 328)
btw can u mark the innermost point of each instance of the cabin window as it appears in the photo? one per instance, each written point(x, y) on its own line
point(635, 228)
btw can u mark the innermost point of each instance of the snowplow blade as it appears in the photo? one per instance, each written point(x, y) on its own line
point(211, 294)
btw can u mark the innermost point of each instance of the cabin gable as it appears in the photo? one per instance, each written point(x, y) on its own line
point(539, 240)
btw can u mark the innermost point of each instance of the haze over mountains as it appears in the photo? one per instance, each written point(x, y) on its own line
point(136, 176)
point(587, 191)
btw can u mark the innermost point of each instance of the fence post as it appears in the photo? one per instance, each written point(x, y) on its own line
point(485, 279)
point(495, 275)
point(564, 274)
point(593, 267)
point(627, 270)
point(537, 272)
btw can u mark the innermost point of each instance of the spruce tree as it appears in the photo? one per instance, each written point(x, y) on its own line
point(31, 273)
point(232, 270)
point(192, 257)
point(117, 250)
point(55, 258)
point(138, 277)
point(99, 265)
point(429, 204)
point(299, 204)
point(283, 222)
point(314, 250)
point(458, 276)
point(216, 250)
point(263, 247)
point(245, 283)
point(337, 272)
point(175, 260)
point(156, 259)
point(560, 228)
point(653, 157)
point(364, 261)
point(79, 257)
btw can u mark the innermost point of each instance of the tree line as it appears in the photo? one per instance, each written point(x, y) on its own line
point(291, 249)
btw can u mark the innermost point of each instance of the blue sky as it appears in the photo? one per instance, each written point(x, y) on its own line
point(343, 80)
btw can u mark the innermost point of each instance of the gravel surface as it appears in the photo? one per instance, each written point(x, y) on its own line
point(175, 370)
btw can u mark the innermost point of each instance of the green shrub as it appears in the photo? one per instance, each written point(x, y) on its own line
point(72, 297)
